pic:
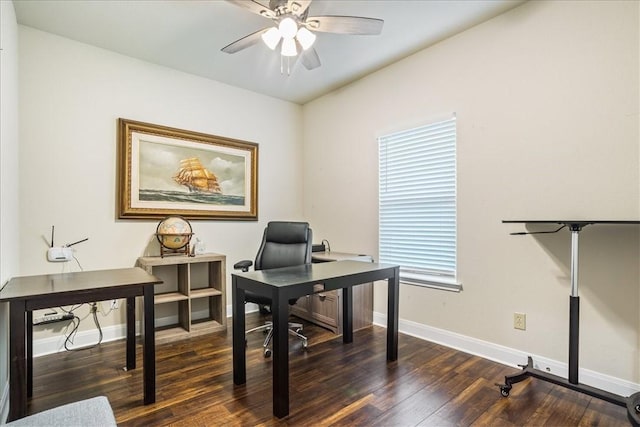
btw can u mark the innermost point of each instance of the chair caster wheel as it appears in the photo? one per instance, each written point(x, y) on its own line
point(267, 353)
point(504, 390)
point(305, 345)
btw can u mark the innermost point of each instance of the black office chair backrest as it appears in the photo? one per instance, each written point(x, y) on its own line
point(284, 244)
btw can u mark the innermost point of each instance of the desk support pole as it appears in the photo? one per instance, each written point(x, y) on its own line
point(149, 349)
point(393, 304)
point(347, 315)
point(280, 318)
point(17, 361)
point(239, 348)
point(574, 308)
point(131, 333)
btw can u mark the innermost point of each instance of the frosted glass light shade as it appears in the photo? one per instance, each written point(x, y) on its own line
point(289, 47)
point(305, 37)
point(288, 28)
point(271, 38)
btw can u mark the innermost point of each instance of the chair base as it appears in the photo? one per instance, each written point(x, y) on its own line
point(294, 329)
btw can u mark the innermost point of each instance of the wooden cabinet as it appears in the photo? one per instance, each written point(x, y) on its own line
point(192, 299)
point(325, 308)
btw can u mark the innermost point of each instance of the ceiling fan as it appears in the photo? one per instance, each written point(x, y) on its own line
point(294, 29)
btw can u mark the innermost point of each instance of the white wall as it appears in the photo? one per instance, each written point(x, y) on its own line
point(9, 219)
point(71, 96)
point(547, 99)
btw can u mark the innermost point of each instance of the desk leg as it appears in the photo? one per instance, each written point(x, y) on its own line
point(280, 317)
point(131, 333)
point(149, 348)
point(29, 344)
point(17, 365)
point(347, 315)
point(239, 344)
point(393, 304)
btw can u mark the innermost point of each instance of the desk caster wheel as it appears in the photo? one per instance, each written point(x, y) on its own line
point(504, 390)
point(267, 353)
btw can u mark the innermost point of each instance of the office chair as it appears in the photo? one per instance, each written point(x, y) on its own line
point(284, 244)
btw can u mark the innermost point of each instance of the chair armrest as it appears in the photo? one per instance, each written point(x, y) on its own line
point(243, 265)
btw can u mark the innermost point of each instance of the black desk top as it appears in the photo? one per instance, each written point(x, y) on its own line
point(311, 273)
point(74, 282)
point(568, 221)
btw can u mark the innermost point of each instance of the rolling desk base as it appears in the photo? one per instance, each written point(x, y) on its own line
point(632, 403)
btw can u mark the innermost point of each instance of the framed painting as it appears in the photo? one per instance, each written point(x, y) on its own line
point(165, 171)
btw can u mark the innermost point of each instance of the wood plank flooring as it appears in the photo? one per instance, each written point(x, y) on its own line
point(331, 384)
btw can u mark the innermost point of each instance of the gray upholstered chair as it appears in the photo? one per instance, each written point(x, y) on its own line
point(284, 244)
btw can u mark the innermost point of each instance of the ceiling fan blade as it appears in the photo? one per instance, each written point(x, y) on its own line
point(245, 42)
point(255, 7)
point(310, 59)
point(298, 7)
point(345, 24)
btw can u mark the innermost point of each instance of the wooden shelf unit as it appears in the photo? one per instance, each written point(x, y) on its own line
point(193, 285)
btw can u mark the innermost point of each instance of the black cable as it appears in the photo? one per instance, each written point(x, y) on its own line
point(72, 334)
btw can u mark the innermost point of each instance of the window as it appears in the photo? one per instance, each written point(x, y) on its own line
point(417, 204)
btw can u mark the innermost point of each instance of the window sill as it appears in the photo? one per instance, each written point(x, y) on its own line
point(434, 282)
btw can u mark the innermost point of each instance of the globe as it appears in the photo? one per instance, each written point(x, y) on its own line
point(174, 232)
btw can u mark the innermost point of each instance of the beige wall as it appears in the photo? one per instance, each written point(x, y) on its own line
point(547, 101)
point(71, 96)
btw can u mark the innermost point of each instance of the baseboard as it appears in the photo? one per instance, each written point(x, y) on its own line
point(4, 404)
point(508, 356)
point(49, 345)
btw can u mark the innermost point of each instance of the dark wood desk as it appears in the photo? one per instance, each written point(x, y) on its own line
point(632, 403)
point(282, 284)
point(28, 293)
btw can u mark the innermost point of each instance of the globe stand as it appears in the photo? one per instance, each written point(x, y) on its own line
point(164, 250)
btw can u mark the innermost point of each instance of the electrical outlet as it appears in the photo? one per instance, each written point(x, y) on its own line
point(520, 321)
point(114, 304)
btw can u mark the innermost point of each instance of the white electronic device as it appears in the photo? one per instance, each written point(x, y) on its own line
point(60, 254)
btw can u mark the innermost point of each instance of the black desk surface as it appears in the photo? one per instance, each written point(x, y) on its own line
point(567, 221)
point(26, 287)
point(311, 273)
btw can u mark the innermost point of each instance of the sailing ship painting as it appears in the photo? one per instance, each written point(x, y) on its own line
point(196, 178)
point(174, 174)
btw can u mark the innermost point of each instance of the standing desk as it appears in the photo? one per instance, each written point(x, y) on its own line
point(28, 293)
point(632, 402)
point(283, 284)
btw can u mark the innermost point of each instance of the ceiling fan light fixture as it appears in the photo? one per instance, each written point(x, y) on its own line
point(305, 37)
point(288, 28)
point(271, 38)
point(289, 47)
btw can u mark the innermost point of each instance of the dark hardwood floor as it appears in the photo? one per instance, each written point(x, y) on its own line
point(331, 384)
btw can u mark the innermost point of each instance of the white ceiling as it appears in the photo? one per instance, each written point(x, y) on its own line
point(187, 35)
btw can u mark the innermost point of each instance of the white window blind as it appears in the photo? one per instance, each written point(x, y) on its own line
point(417, 198)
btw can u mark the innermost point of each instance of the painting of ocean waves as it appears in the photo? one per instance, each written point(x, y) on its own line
point(182, 197)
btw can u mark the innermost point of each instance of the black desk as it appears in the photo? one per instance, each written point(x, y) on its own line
point(25, 294)
point(282, 284)
point(632, 402)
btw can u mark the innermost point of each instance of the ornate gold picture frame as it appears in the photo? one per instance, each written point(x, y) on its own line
point(166, 171)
